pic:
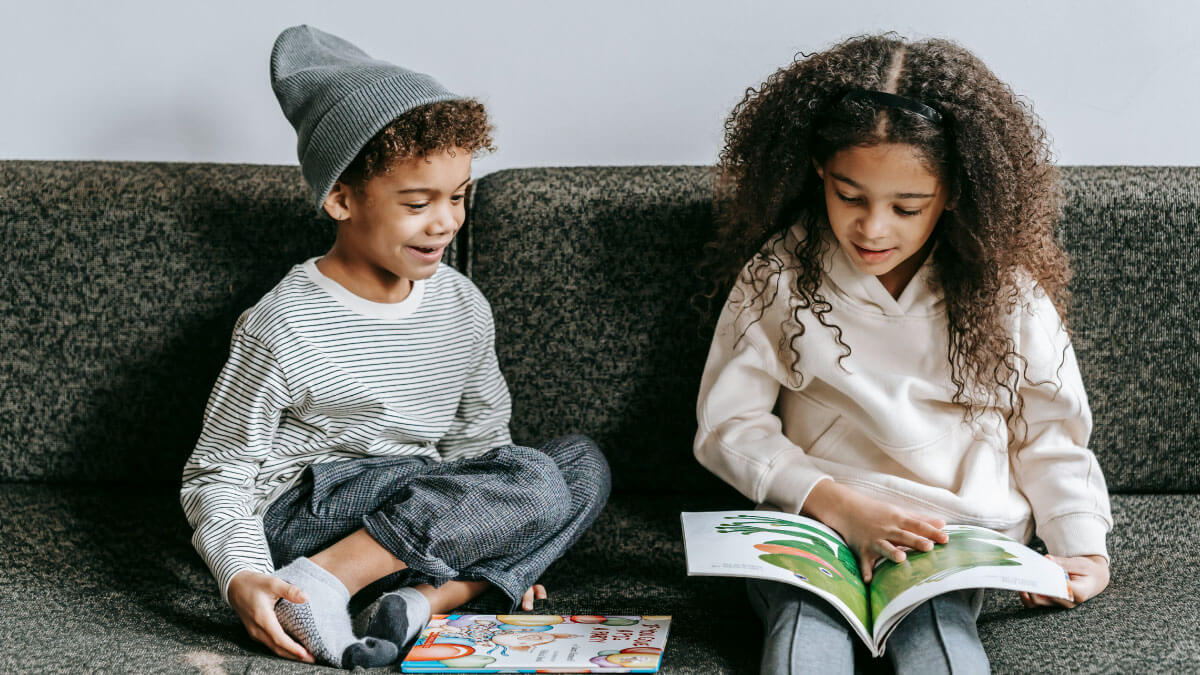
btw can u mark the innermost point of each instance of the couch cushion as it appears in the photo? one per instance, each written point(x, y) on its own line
point(590, 272)
point(102, 577)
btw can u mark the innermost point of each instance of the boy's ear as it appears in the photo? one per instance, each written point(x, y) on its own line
point(337, 202)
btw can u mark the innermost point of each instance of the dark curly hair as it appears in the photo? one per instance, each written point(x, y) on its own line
point(431, 128)
point(990, 152)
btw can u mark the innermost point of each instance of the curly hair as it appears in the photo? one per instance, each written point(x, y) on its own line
point(990, 152)
point(431, 128)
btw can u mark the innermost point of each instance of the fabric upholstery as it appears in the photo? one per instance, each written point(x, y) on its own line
point(122, 281)
point(103, 577)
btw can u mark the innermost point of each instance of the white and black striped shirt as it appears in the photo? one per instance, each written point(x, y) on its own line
point(318, 374)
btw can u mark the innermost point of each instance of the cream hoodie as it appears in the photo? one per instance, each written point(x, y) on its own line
point(883, 423)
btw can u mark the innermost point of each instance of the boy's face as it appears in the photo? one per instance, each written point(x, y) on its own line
point(398, 224)
point(883, 204)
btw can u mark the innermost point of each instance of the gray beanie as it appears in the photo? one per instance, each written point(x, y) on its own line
point(338, 98)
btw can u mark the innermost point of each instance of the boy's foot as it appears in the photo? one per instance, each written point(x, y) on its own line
point(397, 616)
point(322, 624)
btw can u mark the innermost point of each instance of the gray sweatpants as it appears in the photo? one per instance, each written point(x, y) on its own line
point(502, 517)
point(804, 634)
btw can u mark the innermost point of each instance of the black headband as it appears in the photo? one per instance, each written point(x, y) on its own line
point(894, 101)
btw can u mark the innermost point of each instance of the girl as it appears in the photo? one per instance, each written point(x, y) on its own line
point(894, 355)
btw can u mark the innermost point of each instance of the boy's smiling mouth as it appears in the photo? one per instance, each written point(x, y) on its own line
point(427, 253)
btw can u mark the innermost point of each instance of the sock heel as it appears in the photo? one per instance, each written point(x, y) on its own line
point(371, 652)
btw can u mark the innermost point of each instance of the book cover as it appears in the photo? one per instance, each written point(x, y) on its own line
point(804, 552)
point(539, 643)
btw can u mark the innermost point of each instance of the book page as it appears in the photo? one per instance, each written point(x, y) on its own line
point(974, 557)
point(490, 643)
point(778, 547)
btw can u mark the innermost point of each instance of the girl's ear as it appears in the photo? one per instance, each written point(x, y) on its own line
point(337, 202)
point(819, 169)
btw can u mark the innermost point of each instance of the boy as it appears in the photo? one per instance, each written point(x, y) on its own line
point(358, 434)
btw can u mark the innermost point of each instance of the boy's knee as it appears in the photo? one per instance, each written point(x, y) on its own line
point(543, 488)
point(571, 448)
point(591, 476)
point(583, 464)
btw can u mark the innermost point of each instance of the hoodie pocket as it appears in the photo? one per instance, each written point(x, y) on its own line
point(826, 445)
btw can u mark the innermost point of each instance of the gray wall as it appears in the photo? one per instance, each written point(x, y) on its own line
point(612, 82)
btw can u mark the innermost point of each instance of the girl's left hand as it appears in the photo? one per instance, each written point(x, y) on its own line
point(535, 591)
point(1087, 574)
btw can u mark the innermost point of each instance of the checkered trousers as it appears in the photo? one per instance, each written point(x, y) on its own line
point(502, 517)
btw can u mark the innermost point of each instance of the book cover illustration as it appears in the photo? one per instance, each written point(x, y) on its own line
point(533, 643)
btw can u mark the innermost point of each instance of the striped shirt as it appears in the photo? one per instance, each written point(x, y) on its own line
point(318, 374)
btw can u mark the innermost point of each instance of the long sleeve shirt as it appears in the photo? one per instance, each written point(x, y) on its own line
point(882, 420)
point(318, 374)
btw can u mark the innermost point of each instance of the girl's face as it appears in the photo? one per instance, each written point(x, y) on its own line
point(883, 204)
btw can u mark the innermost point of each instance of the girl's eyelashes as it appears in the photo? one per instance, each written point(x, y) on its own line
point(858, 200)
point(417, 206)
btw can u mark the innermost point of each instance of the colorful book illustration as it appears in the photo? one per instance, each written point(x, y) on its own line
point(536, 643)
point(805, 553)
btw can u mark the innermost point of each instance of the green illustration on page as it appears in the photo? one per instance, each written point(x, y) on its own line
point(811, 555)
point(820, 560)
point(806, 553)
point(965, 549)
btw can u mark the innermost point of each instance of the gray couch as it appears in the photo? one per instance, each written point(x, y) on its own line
point(121, 283)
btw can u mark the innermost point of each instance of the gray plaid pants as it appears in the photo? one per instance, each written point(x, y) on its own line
point(501, 517)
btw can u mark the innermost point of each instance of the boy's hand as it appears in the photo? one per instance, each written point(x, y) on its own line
point(253, 596)
point(1087, 574)
point(874, 529)
point(535, 591)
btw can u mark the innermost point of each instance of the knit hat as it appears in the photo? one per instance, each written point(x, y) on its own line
point(338, 98)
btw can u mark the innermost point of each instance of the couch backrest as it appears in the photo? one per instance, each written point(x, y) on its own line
point(590, 270)
point(121, 283)
point(1134, 238)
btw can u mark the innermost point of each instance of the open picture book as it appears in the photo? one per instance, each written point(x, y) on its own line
point(805, 553)
point(539, 643)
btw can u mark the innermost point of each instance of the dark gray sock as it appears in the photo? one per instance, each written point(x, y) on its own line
point(322, 624)
point(397, 616)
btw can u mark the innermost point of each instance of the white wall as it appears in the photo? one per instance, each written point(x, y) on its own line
point(600, 82)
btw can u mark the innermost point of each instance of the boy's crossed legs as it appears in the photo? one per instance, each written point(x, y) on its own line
point(441, 532)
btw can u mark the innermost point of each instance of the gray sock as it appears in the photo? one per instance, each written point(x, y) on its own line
point(397, 616)
point(322, 624)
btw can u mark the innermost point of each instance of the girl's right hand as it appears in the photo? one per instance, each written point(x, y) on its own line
point(872, 528)
point(253, 596)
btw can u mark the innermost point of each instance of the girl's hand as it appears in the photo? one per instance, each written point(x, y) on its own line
point(253, 596)
point(873, 529)
point(535, 591)
point(1088, 576)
